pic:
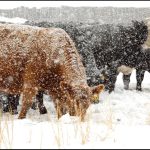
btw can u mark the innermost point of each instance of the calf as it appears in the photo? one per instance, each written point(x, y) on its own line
point(34, 59)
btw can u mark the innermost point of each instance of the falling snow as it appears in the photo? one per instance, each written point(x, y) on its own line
point(109, 46)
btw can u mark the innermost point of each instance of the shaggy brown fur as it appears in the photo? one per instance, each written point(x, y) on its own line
point(33, 59)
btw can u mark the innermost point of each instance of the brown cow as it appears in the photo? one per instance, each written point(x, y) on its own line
point(33, 58)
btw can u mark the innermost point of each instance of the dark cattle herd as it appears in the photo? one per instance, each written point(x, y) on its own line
point(69, 61)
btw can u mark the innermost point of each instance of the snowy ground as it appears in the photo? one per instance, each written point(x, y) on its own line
point(15, 20)
point(120, 120)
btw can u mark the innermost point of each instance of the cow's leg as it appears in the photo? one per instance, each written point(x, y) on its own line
point(27, 100)
point(39, 99)
point(4, 102)
point(60, 108)
point(13, 102)
point(111, 80)
point(34, 105)
point(30, 86)
point(39, 102)
point(139, 78)
point(126, 81)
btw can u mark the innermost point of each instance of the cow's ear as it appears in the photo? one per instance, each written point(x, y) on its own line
point(97, 89)
point(95, 93)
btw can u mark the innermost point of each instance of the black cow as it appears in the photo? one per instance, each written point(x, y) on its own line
point(123, 48)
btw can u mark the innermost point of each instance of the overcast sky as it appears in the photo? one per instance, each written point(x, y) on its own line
point(39, 4)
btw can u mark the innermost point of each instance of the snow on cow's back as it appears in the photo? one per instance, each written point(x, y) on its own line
point(18, 27)
point(22, 38)
point(16, 38)
point(30, 30)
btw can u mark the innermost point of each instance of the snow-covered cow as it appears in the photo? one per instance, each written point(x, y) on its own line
point(34, 59)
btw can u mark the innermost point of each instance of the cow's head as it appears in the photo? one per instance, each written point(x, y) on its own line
point(146, 45)
point(79, 97)
point(140, 32)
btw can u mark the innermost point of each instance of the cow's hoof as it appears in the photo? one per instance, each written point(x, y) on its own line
point(21, 117)
point(14, 112)
point(139, 89)
point(126, 87)
point(34, 106)
point(43, 110)
point(5, 109)
point(72, 113)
